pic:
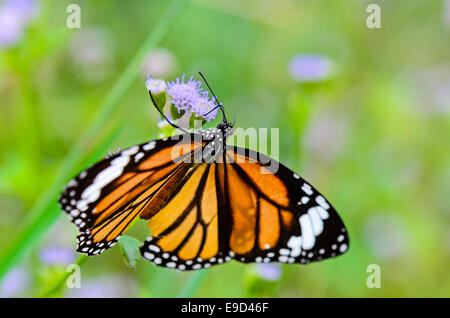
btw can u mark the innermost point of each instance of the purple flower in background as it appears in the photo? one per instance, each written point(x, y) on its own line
point(16, 282)
point(432, 89)
point(203, 107)
point(159, 62)
point(386, 235)
point(54, 255)
point(110, 286)
point(310, 68)
point(326, 136)
point(269, 272)
point(92, 51)
point(15, 15)
point(184, 95)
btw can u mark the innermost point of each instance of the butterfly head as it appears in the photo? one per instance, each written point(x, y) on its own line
point(226, 128)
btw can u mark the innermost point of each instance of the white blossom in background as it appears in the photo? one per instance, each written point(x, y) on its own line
point(325, 137)
point(446, 12)
point(92, 52)
point(432, 87)
point(386, 235)
point(159, 62)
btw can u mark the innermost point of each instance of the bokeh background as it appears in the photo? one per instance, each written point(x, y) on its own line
point(363, 115)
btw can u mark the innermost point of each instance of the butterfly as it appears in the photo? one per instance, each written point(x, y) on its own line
point(205, 203)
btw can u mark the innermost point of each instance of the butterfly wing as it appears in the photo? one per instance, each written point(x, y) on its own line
point(106, 198)
point(248, 207)
point(186, 233)
point(278, 216)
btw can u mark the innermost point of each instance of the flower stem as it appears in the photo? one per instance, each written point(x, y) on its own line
point(60, 282)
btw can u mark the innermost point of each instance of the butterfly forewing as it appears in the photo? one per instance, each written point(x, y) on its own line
point(107, 197)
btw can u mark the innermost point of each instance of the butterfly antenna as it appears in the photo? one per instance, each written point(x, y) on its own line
point(164, 116)
point(215, 98)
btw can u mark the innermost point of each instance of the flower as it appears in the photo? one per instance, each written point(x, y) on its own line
point(92, 52)
point(54, 255)
point(203, 107)
point(15, 15)
point(112, 153)
point(184, 95)
point(310, 68)
point(386, 235)
point(326, 136)
point(269, 272)
point(106, 286)
point(432, 89)
point(17, 281)
point(159, 62)
point(155, 86)
point(447, 13)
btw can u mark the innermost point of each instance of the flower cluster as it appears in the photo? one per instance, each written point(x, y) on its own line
point(310, 68)
point(186, 99)
point(15, 15)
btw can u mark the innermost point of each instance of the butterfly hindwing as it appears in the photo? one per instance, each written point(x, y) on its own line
point(247, 207)
point(291, 221)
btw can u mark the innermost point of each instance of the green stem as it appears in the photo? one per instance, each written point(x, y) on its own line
point(45, 212)
point(193, 284)
point(62, 280)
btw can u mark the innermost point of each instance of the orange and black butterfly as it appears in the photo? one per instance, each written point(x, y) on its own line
point(206, 203)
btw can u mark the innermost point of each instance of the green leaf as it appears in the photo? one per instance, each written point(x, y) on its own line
point(130, 250)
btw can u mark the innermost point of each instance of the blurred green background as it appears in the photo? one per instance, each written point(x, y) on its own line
point(371, 132)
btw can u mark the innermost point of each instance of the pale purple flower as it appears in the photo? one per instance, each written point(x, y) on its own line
point(184, 95)
point(92, 52)
point(15, 15)
point(159, 62)
point(386, 235)
point(310, 68)
point(203, 107)
point(326, 137)
point(269, 272)
point(15, 283)
point(432, 90)
point(108, 286)
point(54, 255)
point(155, 86)
point(112, 153)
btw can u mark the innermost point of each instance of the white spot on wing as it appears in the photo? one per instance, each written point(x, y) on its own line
point(307, 189)
point(130, 151)
point(322, 202)
point(307, 232)
point(317, 222)
point(105, 177)
point(150, 145)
